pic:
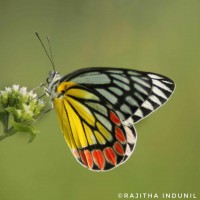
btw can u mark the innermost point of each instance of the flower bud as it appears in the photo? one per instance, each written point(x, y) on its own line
point(19, 110)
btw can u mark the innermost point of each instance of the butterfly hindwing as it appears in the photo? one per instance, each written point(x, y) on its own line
point(92, 129)
point(133, 94)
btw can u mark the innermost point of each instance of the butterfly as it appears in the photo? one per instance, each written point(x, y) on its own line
point(98, 107)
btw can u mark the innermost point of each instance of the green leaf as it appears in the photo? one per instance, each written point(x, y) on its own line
point(32, 137)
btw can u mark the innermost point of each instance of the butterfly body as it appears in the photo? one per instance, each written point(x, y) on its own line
point(98, 107)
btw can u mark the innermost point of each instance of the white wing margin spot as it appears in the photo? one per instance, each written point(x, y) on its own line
point(148, 105)
point(139, 113)
point(168, 82)
point(161, 85)
point(159, 92)
point(155, 99)
point(129, 135)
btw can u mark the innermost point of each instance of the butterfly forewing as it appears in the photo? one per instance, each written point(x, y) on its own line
point(92, 129)
point(133, 94)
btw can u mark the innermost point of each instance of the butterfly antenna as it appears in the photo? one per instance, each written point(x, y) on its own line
point(51, 59)
point(51, 54)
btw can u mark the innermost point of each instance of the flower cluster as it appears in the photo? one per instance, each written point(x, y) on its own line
point(19, 110)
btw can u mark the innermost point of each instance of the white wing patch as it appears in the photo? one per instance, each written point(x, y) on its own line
point(161, 85)
point(155, 99)
point(139, 113)
point(153, 76)
point(159, 92)
point(148, 105)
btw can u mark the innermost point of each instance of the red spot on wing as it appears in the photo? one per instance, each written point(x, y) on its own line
point(98, 159)
point(110, 155)
point(114, 118)
point(83, 157)
point(89, 158)
point(120, 135)
point(118, 148)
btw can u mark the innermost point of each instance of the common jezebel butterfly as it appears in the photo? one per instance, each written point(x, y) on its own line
point(98, 107)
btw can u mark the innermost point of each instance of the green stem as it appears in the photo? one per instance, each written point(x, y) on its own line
point(5, 122)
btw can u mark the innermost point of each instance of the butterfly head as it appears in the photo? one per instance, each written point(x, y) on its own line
point(53, 81)
point(53, 77)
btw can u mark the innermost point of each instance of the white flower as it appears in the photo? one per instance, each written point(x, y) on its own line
point(23, 90)
point(32, 95)
point(8, 89)
point(15, 87)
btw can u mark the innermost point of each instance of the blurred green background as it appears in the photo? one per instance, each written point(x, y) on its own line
point(149, 35)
